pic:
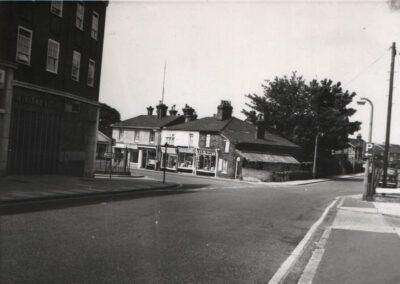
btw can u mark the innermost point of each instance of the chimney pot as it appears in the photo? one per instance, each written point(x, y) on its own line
point(260, 127)
point(150, 110)
point(161, 110)
point(224, 110)
point(189, 113)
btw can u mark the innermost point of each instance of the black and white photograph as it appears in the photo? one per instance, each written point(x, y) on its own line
point(200, 141)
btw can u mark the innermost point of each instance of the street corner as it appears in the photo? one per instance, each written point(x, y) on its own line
point(344, 254)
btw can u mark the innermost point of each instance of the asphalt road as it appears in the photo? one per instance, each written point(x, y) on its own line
point(210, 231)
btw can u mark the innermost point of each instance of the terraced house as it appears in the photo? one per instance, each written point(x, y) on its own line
point(137, 140)
point(225, 146)
point(50, 63)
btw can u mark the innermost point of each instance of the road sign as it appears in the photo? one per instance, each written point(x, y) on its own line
point(369, 150)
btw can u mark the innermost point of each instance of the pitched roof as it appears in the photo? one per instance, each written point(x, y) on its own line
point(241, 132)
point(102, 138)
point(236, 130)
point(210, 124)
point(149, 121)
point(356, 142)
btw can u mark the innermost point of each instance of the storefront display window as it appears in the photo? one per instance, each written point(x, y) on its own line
point(186, 160)
point(206, 162)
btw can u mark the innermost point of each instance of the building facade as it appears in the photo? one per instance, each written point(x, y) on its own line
point(225, 146)
point(137, 140)
point(50, 63)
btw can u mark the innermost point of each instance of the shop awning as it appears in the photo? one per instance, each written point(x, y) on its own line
point(171, 151)
point(269, 158)
point(186, 150)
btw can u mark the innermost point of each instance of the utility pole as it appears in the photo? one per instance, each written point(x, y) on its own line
point(389, 116)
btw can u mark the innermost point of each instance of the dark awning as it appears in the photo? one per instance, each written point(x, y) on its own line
point(268, 158)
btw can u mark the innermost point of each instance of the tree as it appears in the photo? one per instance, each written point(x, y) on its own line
point(298, 110)
point(108, 116)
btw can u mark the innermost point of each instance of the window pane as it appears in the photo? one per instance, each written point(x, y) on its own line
point(24, 39)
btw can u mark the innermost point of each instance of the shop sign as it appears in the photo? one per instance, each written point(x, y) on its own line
point(206, 152)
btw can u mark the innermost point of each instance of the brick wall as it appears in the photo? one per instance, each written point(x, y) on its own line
point(217, 141)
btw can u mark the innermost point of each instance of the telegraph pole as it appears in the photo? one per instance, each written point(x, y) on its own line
point(389, 116)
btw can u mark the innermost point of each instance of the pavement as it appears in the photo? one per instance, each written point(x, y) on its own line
point(16, 189)
point(362, 245)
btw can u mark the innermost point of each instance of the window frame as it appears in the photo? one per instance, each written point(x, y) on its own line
point(208, 140)
point(52, 7)
point(224, 166)
point(30, 46)
point(152, 136)
point(47, 56)
point(80, 4)
point(227, 146)
point(94, 71)
point(191, 139)
point(137, 136)
point(74, 52)
point(95, 15)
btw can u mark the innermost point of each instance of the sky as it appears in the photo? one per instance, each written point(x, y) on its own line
point(224, 50)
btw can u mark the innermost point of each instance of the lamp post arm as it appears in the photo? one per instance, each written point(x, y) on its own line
point(371, 117)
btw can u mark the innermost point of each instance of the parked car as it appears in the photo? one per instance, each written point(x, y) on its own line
point(392, 179)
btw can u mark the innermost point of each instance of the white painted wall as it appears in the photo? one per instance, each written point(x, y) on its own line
point(181, 137)
point(128, 136)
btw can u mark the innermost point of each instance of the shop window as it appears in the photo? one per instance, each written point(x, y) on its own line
point(186, 160)
point(206, 163)
point(208, 139)
point(76, 65)
point(56, 8)
point(227, 146)
point(24, 44)
point(53, 51)
point(134, 156)
point(80, 12)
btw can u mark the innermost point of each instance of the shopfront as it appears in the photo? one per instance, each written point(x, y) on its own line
point(147, 158)
point(186, 159)
point(170, 157)
point(206, 160)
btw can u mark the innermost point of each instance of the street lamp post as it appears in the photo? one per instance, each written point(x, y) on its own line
point(314, 170)
point(367, 193)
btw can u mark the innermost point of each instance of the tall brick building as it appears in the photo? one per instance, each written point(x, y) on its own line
point(50, 63)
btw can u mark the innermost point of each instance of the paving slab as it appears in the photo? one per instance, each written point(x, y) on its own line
point(360, 257)
point(362, 221)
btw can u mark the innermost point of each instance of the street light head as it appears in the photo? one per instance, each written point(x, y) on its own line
point(361, 103)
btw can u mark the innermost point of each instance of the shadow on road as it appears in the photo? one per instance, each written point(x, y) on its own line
point(35, 206)
point(349, 179)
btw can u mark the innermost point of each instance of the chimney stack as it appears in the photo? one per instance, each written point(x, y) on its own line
point(189, 113)
point(252, 118)
point(359, 137)
point(260, 128)
point(224, 110)
point(150, 110)
point(161, 110)
point(173, 111)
